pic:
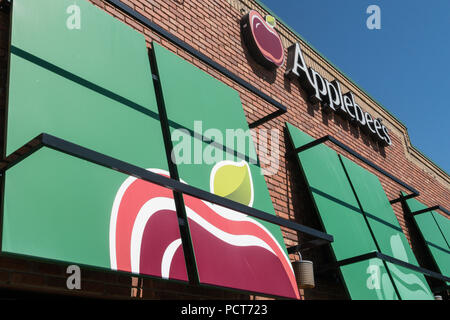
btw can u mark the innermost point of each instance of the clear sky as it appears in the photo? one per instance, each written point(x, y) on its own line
point(405, 65)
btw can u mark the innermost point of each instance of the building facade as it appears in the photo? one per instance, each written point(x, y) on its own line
point(210, 36)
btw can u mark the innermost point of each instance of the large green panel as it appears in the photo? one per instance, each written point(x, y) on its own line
point(192, 97)
point(195, 102)
point(92, 86)
point(432, 235)
point(380, 215)
point(386, 230)
point(60, 208)
point(333, 197)
point(411, 285)
point(368, 280)
point(444, 225)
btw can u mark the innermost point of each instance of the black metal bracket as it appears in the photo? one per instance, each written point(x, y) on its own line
point(346, 148)
point(269, 117)
point(402, 198)
point(386, 258)
point(281, 109)
point(61, 145)
point(307, 245)
point(438, 207)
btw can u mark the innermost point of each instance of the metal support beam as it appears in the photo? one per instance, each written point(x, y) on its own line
point(386, 258)
point(281, 109)
point(46, 140)
point(359, 157)
point(438, 207)
point(307, 245)
point(402, 198)
point(266, 118)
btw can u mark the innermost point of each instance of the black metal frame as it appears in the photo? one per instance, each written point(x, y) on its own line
point(402, 198)
point(281, 109)
point(179, 189)
point(346, 148)
point(47, 140)
point(411, 215)
point(375, 254)
point(185, 233)
point(381, 256)
point(438, 207)
point(307, 245)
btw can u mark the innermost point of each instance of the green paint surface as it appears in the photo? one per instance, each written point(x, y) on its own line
point(58, 207)
point(387, 231)
point(91, 86)
point(368, 280)
point(411, 285)
point(333, 198)
point(432, 235)
point(201, 109)
point(444, 225)
point(191, 95)
point(339, 186)
point(380, 215)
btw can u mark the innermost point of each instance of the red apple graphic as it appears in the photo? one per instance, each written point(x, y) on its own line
point(262, 40)
point(231, 250)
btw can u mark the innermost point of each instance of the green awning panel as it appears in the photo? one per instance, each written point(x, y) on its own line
point(432, 234)
point(51, 223)
point(411, 285)
point(352, 206)
point(231, 249)
point(368, 280)
point(444, 225)
point(386, 230)
point(334, 199)
point(91, 84)
point(87, 80)
point(60, 208)
point(380, 215)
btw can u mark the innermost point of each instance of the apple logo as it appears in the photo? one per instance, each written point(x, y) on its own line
point(231, 249)
point(262, 40)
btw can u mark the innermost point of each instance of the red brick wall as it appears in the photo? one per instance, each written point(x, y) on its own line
point(212, 27)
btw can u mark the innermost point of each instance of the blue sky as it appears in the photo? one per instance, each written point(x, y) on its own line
point(405, 65)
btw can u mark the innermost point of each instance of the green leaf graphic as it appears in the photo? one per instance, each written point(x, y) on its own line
point(271, 21)
point(232, 180)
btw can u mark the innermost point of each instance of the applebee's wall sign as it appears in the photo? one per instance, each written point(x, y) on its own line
point(264, 44)
point(330, 94)
point(262, 40)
